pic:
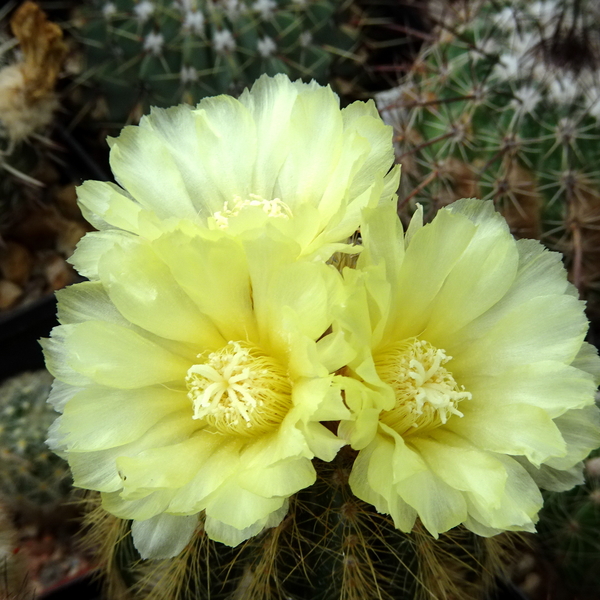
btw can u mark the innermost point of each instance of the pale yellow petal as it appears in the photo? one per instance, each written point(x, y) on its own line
point(519, 504)
point(163, 536)
point(479, 279)
point(550, 385)
point(511, 429)
point(118, 357)
point(106, 205)
point(540, 329)
point(151, 505)
point(146, 167)
point(462, 465)
point(214, 274)
point(439, 506)
point(435, 248)
point(581, 431)
point(235, 506)
point(97, 470)
point(92, 246)
point(98, 417)
point(156, 302)
point(231, 536)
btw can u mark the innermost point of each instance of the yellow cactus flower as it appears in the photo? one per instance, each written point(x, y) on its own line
point(191, 374)
point(283, 154)
point(472, 386)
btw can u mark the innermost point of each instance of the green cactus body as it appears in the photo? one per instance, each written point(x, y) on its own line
point(496, 107)
point(32, 478)
point(331, 546)
point(160, 53)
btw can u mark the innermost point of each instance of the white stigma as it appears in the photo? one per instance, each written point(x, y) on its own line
point(223, 385)
point(426, 393)
point(272, 208)
point(431, 385)
point(239, 390)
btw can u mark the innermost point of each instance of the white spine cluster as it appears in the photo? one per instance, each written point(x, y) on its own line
point(143, 11)
point(223, 41)
point(154, 43)
point(266, 47)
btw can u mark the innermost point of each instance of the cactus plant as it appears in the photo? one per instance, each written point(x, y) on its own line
point(159, 53)
point(330, 546)
point(505, 104)
point(33, 480)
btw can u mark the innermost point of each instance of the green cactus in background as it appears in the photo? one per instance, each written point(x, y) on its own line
point(331, 546)
point(33, 480)
point(164, 52)
point(569, 531)
point(504, 104)
point(15, 583)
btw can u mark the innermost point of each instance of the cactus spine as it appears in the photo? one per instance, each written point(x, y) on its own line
point(159, 53)
point(505, 104)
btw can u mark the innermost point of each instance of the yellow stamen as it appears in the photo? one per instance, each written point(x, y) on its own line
point(426, 393)
point(239, 390)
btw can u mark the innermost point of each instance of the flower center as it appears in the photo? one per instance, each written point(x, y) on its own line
point(239, 390)
point(272, 208)
point(426, 393)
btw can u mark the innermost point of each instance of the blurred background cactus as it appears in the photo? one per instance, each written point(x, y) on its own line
point(38, 506)
point(504, 103)
point(14, 579)
point(34, 481)
point(146, 53)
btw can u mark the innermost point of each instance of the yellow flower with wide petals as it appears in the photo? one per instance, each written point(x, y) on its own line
point(283, 153)
point(472, 385)
point(191, 374)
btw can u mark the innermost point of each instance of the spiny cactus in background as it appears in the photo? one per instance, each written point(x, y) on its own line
point(505, 104)
point(33, 480)
point(162, 52)
point(569, 531)
point(330, 546)
point(14, 581)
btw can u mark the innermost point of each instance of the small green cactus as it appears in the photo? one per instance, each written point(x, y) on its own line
point(160, 53)
point(32, 478)
point(505, 104)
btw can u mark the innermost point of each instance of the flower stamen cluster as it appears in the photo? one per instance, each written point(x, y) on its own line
point(275, 208)
point(426, 393)
point(240, 390)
